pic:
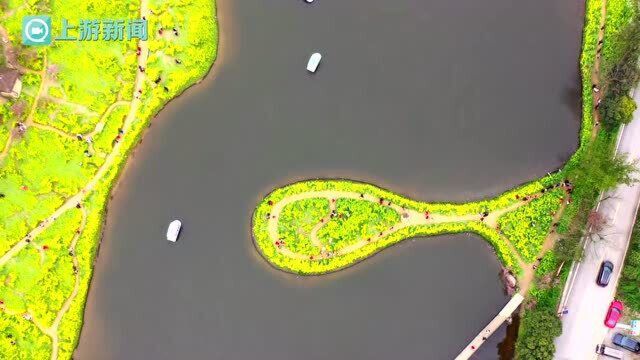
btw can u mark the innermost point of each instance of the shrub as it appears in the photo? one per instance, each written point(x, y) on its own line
point(538, 330)
point(629, 284)
point(618, 111)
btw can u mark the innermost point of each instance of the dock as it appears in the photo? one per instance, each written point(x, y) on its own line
point(502, 316)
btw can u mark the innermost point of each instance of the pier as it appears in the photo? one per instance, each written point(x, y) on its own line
point(488, 330)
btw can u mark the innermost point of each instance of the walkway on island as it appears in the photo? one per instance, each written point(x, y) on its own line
point(408, 217)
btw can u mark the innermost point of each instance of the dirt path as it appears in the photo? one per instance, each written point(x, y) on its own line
point(77, 108)
point(52, 331)
point(103, 118)
point(595, 73)
point(529, 270)
point(53, 129)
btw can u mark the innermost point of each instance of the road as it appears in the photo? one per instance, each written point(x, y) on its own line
point(587, 303)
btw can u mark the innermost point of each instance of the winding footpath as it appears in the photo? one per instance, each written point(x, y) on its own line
point(408, 218)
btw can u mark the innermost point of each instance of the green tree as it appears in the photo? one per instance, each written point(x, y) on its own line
point(617, 107)
point(540, 327)
point(619, 110)
point(599, 171)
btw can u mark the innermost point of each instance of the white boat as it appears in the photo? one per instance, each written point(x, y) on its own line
point(174, 230)
point(309, 1)
point(314, 61)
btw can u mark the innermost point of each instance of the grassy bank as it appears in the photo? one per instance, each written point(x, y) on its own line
point(88, 90)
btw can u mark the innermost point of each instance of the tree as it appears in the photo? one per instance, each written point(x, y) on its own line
point(540, 328)
point(600, 171)
point(568, 248)
point(617, 107)
point(629, 287)
point(618, 110)
point(596, 224)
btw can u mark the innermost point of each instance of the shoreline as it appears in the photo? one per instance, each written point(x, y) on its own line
point(128, 157)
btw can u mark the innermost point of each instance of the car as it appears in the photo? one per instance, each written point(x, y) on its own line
point(626, 343)
point(604, 275)
point(614, 314)
point(608, 351)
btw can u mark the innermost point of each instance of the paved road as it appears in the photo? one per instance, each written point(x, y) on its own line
point(587, 303)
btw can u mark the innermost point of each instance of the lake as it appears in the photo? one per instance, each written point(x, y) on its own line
point(441, 100)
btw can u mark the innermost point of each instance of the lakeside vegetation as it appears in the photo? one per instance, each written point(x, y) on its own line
point(629, 283)
point(593, 170)
point(71, 88)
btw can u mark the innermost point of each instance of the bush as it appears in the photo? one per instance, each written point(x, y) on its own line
point(618, 110)
point(629, 284)
point(624, 74)
point(538, 330)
